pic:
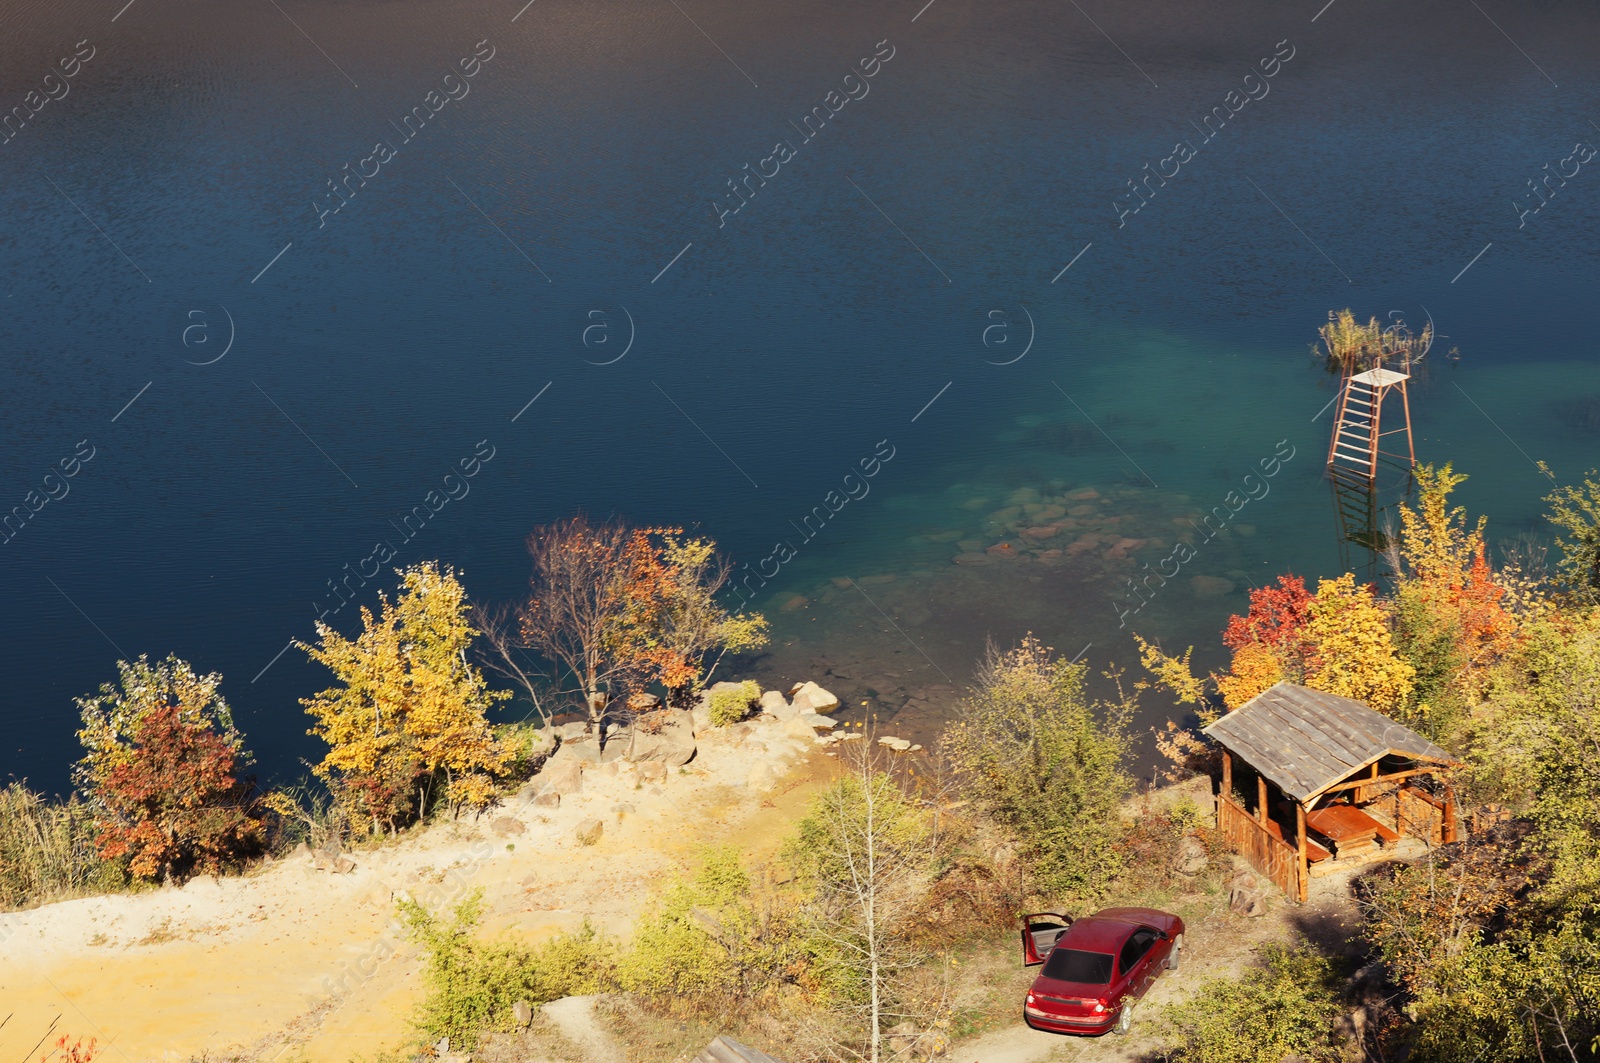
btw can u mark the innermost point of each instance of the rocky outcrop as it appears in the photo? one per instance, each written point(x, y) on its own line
point(774, 704)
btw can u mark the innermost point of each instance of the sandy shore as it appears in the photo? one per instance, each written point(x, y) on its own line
point(292, 962)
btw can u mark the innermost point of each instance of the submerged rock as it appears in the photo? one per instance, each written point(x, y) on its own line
point(1211, 586)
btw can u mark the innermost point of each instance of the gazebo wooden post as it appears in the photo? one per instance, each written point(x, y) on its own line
point(1300, 844)
point(1261, 798)
point(1227, 774)
point(1448, 831)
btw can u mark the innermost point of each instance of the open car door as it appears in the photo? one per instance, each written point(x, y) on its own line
point(1039, 933)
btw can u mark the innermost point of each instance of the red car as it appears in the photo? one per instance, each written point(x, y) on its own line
point(1095, 968)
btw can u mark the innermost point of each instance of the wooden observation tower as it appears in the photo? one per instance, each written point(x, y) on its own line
point(1358, 432)
point(1374, 362)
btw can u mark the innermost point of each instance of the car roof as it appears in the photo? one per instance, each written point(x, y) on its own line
point(1098, 933)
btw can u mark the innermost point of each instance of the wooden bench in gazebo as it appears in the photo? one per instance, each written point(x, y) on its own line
point(1342, 778)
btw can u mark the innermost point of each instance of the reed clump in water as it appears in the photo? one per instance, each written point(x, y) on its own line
point(1352, 347)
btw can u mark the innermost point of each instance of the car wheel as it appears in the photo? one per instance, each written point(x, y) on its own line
point(1173, 956)
point(1125, 1019)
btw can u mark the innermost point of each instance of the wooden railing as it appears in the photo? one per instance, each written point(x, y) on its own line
point(1272, 856)
point(1421, 815)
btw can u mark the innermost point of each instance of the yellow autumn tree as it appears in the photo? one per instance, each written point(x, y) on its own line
point(1353, 651)
point(407, 722)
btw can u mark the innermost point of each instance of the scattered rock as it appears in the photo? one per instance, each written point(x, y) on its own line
point(1211, 586)
point(588, 832)
point(505, 825)
point(1047, 531)
point(900, 744)
point(641, 702)
point(574, 731)
point(302, 852)
point(342, 865)
point(651, 771)
point(808, 697)
point(1003, 549)
point(794, 603)
point(550, 799)
point(1191, 858)
point(522, 1013)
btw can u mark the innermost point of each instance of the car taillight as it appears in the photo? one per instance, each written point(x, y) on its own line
point(1099, 1006)
point(1030, 998)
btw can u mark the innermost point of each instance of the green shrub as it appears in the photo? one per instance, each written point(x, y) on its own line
point(711, 940)
point(472, 984)
point(1284, 1007)
point(1046, 766)
point(727, 706)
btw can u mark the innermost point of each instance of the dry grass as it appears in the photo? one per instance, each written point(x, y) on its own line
point(46, 850)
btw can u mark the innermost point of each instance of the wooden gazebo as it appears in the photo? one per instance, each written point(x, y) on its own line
point(1332, 779)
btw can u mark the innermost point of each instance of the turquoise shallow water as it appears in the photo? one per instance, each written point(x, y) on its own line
point(175, 198)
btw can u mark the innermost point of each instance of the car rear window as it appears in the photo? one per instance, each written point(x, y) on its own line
point(1074, 965)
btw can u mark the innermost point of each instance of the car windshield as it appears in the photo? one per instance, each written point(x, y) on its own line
point(1073, 965)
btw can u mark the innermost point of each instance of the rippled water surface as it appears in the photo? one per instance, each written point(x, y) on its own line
point(268, 386)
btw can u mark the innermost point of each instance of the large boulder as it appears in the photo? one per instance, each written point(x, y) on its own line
point(1247, 897)
point(672, 744)
point(562, 774)
point(808, 697)
point(1191, 857)
point(762, 779)
point(572, 729)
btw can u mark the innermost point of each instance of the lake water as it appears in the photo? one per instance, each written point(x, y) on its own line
point(271, 374)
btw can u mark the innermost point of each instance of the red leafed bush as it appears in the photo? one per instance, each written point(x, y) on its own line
point(174, 804)
point(1277, 616)
point(76, 1052)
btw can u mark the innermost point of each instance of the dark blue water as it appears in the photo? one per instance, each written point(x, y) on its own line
point(177, 196)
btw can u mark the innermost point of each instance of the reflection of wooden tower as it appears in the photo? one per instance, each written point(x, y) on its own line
point(1355, 505)
point(1355, 449)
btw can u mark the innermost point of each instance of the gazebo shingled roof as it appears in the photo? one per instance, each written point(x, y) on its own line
point(1305, 741)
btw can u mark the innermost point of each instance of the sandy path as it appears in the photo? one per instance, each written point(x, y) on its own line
point(293, 962)
point(574, 1017)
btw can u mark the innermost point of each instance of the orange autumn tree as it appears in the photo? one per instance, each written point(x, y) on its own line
point(684, 624)
point(618, 609)
point(1451, 619)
